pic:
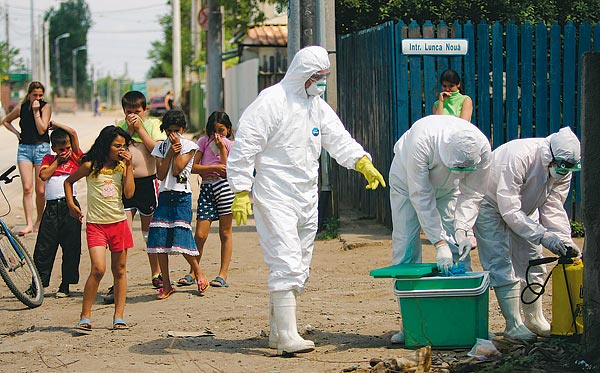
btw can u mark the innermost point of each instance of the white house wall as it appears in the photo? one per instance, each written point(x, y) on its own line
point(241, 88)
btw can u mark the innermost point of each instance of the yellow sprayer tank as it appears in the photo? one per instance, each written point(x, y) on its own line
point(562, 316)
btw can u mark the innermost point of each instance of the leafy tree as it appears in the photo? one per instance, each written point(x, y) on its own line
point(74, 17)
point(354, 15)
point(239, 15)
point(9, 58)
point(242, 14)
point(161, 53)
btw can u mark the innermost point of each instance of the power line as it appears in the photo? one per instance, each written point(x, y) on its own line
point(25, 9)
point(123, 32)
point(140, 9)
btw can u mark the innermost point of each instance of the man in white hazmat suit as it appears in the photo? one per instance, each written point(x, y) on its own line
point(280, 136)
point(437, 180)
point(523, 208)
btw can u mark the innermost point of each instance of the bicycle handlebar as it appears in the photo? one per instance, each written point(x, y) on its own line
point(4, 177)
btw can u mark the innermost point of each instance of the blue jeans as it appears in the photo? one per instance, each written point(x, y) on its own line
point(33, 153)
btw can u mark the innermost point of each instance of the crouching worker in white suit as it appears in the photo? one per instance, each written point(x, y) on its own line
point(437, 180)
point(280, 135)
point(523, 208)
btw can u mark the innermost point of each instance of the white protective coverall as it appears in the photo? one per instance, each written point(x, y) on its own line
point(424, 193)
point(280, 136)
point(522, 203)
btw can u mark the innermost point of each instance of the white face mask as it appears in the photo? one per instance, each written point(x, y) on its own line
point(317, 88)
point(555, 175)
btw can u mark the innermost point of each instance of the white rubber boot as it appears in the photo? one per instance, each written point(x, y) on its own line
point(284, 310)
point(273, 334)
point(533, 314)
point(508, 298)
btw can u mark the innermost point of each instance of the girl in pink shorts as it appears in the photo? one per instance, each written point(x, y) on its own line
point(108, 171)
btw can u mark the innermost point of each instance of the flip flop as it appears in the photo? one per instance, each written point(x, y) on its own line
point(186, 280)
point(23, 233)
point(84, 326)
point(219, 282)
point(202, 286)
point(120, 324)
point(163, 294)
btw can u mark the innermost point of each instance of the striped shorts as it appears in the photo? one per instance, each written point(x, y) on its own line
point(215, 199)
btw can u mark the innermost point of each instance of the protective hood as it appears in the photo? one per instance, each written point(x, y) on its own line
point(565, 145)
point(306, 62)
point(459, 149)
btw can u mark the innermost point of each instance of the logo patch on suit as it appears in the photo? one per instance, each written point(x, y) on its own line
point(315, 132)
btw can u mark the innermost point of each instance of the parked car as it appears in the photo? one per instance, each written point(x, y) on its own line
point(157, 106)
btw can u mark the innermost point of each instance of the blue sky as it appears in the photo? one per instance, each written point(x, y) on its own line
point(120, 37)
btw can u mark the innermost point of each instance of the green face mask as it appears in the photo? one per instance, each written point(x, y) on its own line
point(464, 169)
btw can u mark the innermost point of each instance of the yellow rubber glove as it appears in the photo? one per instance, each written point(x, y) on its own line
point(374, 178)
point(241, 207)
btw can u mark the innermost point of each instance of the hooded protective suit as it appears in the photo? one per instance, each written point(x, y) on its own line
point(522, 202)
point(425, 193)
point(280, 136)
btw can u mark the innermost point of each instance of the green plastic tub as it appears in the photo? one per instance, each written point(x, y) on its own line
point(444, 312)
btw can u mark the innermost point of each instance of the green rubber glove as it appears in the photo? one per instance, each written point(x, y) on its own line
point(374, 178)
point(241, 207)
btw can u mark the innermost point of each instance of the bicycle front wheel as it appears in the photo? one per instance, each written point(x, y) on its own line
point(18, 270)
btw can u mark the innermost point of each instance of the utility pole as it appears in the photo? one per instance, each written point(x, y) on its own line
point(92, 87)
point(57, 53)
point(293, 43)
point(34, 75)
point(214, 50)
point(327, 199)
point(177, 51)
point(39, 56)
point(46, 36)
point(194, 29)
point(590, 135)
point(74, 77)
point(7, 36)
point(308, 23)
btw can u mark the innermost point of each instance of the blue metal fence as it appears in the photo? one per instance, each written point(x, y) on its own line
point(524, 81)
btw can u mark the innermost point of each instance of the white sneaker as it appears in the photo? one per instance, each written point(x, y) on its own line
point(63, 291)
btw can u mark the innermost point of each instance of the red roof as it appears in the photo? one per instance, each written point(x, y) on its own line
point(268, 35)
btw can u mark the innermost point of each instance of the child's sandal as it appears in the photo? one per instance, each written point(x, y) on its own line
point(84, 326)
point(164, 294)
point(119, 324)
point(202, 285)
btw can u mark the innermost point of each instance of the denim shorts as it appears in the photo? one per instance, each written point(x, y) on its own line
point(33, 153)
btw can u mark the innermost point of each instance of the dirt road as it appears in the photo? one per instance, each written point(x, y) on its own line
point(350, 315)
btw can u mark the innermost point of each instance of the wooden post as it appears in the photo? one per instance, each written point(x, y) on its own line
point(590, 133)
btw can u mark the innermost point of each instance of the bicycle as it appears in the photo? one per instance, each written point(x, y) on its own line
point(16, 266)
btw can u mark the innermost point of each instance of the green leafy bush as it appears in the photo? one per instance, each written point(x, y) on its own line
point(330, 229)
point(577, 229)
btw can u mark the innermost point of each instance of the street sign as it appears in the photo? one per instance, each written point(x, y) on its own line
point(435, 46)
point(203, 17)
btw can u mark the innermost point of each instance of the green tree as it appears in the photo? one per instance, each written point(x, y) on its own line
point(9, 59)
point(161, 53)
point(238, 16)
point(354, 15)
point(74, 17)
